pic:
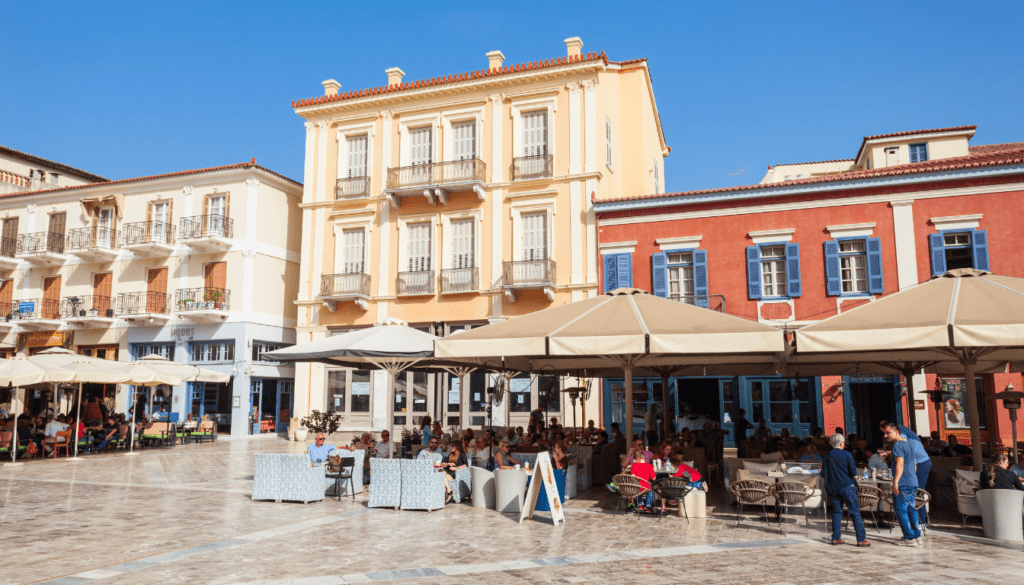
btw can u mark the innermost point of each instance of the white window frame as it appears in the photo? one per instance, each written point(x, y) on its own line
point(522, 106)
point(863, 255)
point(775, 281)
point(448, 236)
point(339, 241)
point(403, 238)
point(450, 118)
point(351, 131)
point(407, 123)
point(609, 153)
point(521, 207)
point(680, 268)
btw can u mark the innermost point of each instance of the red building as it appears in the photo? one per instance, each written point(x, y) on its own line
point(815, 239)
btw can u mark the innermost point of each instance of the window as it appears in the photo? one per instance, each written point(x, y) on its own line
point(549, 393)
point(608, 142)
point(919, 152)
point(854, 266)
point(261, 347)
point(357, 158)
point(535, 235)
point(680, 276)
point(618, 271)
point(657, 178)
point(478, 392)
point(464, 140)
point(519, 393)
point(773, 271)
point(354, 242)
point(218, 205)
point(535, 133)
point(160, 213)
point(958, 249)
point(419, 247)
point(9, 242)
point(164, 350)
point(853, 269)
point(463, 243)
point(212, 351)
point(420, 143)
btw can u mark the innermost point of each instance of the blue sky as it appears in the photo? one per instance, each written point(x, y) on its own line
point(138, 88)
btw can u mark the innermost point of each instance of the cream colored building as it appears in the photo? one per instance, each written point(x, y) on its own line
point(199, 266)
point(455, 201)
point(21, 172)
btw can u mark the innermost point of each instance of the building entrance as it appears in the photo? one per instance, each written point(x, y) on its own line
point(873, 402)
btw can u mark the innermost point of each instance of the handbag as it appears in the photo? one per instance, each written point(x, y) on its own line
point(334, 463)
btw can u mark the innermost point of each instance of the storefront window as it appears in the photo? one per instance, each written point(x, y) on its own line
point(519, 393)
point(360, 391)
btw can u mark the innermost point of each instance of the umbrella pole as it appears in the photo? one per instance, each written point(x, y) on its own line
point(78, 418)
point(628, 372)
point(664, 406)
point(909, 376)
point(131, 440)
point(17, 407)
point(972, 414)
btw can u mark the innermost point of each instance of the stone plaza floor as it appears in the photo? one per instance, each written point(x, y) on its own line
point(184, 515)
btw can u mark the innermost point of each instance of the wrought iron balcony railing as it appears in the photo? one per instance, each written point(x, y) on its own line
point(145, 232)
point(138, 303)
point(203, 299)
point(87, 306)
point(460, 280)
point(41, 243)
point(420, 282)
point(528, 273)
point(90, 238)
point(352, 187)
point(344, 285)
point(204, 226)
point(8, 247)
point(30, 309)
point(533, 167)
point(713, 302)
point(436, 173)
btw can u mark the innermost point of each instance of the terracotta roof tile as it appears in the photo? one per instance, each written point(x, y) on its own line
point(990, 148)
point(816, 162)
point(1012, 154)
point(40, 160)
point(910, 133)
point(251, 165)
point(454, 78)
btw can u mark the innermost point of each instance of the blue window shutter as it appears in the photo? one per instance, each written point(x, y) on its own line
point(876, 281)
point(938, 252)
point(754, 272)
point(793, 269)
point(611, 278)
point(625, 270)
point(659, 274)
point(833, 281)
point(700, 277)
point(979, 241)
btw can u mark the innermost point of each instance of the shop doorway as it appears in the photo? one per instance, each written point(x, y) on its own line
point(698, 396)
point(213, 401)
point(873, 402)
point(270, 404)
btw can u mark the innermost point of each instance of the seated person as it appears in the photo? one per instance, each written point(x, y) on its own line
point(432, 452)
point(1017, 470)
point(110, 431)
point(665, 453)
point(861, 454)
point(810, 454)
point(511, 436)
point(558, 456)
point(955, 448)
point(999, 476)
point(602, 440)
point(786, 440)
point(503, 459)
point(638, 454)
point(880, 460)
point(687, 472)
point(686, 439)
point(455, 460)
point(771, 452)
point(383, 448)
point(590, 427)
point(645, 473)
point(481, 455)
point(937, 445)
point(615, 432)
point(319, 451)
point(53, 426)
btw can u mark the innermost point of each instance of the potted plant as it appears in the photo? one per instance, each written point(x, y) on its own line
point(318, 422)
point(215, 296)
point(411, 437)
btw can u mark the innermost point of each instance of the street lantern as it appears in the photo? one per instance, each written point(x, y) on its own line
point(937, 395)
point(1011, 401)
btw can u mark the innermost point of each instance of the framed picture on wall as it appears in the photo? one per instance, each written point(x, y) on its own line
point(954, 406)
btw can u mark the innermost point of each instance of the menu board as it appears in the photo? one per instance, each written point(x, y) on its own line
point(545, 473)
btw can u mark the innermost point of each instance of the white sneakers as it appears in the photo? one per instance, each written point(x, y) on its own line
point(907, 542)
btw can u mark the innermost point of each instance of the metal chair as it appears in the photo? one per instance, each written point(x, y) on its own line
point(868, 497)
point(673, 488)
point(341, 471)
point(791, 493)
point(751, 491)
point(629, 489)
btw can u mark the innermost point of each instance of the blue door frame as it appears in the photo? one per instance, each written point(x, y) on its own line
point(850, 411)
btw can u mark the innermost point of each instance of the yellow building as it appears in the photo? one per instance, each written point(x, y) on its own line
point(458, 200)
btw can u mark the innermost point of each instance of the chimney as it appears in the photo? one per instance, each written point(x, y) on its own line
point(574, 45)
point(331, 87)
point(495, 59)
point(395, 76)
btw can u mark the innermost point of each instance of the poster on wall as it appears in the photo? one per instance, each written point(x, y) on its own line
point(453, 392)
point(954, 407)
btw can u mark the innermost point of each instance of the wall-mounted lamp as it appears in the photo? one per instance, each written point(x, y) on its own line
point(840, 387)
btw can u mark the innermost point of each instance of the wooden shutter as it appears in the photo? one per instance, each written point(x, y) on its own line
point(355, 242)
point(793, 269)
point(51, 298)
point(101, 284)
point(6, 294)
point(419, 146)
point(700, 277)
point(357, 156)
point(979, 243)
point(58, 221)
point(938, 253)
point(833, 272)
point(611, 276)
point(754, 272)
point(535, 236)
point(876, 280)
point(419, 247)
point(659, 274)
point(216, 275)
point(535, 133)
point(624, 270)
point(9, 243)
point(156, 286)
point(463, 243)
point(464, 144)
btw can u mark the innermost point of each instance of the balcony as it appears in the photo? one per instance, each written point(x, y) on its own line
point(36, 313)
point(352, 286)
point(41, 249)
point(88, 310)
point(713, 302)
point(207, 233)
point(5, 314)
point(93, 244)
point(435, 181)
point(150, 239)
point(460, 280)
point(140, 308)
point(528, 275)
point(352, 188)
point(8, 253)
point(207, 305)
point(417, 283)
point(533, 167)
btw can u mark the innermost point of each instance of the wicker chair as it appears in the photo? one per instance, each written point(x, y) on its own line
point(791, 493)
point(752, 492)
point(922, 499)
point(868, 497)
point(629, 489)
point(673, 488)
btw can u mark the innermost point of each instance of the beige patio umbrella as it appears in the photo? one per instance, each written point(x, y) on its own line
point(20, 371)
point(965, 317)
point(626, 329)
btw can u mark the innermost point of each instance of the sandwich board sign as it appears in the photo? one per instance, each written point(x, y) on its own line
point(543, 474)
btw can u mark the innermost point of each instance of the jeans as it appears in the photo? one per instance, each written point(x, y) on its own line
point(847, 496)
point(906, 512)
point(923, 469)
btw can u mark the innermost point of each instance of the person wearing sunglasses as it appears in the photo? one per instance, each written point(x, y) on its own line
point(319, 451)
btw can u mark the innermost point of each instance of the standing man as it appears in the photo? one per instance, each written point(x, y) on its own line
point(318, 451)
point(924, 466)
point(904, 485)
point(839, 471)
point(741, 425)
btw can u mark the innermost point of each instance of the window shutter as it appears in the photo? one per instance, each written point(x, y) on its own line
point(611, 276)
point(357, 156)
point(833, 279)
point(625, 270)
point(608, 143)
point(419, 140)
point(465, 140)
point(979, 241)
point(753, 272)
point(876, 280)
point(535, 133)
point(463, 247)
point(700, 277)
point(659, 274)
point(419, 247)
point(793, 269)
point(535, 236)
point(938, 251)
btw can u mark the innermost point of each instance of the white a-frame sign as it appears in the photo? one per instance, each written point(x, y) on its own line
point(544, 475)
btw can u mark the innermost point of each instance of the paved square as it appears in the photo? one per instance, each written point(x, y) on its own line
point(184, 515)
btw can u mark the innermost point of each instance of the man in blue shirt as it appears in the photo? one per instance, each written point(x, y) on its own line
point(838, 472)
point(924, 466)
point(318, 451)
point(904, 485)
point(431, 453)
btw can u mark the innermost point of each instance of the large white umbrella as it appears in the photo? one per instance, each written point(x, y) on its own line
point(20, 371)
